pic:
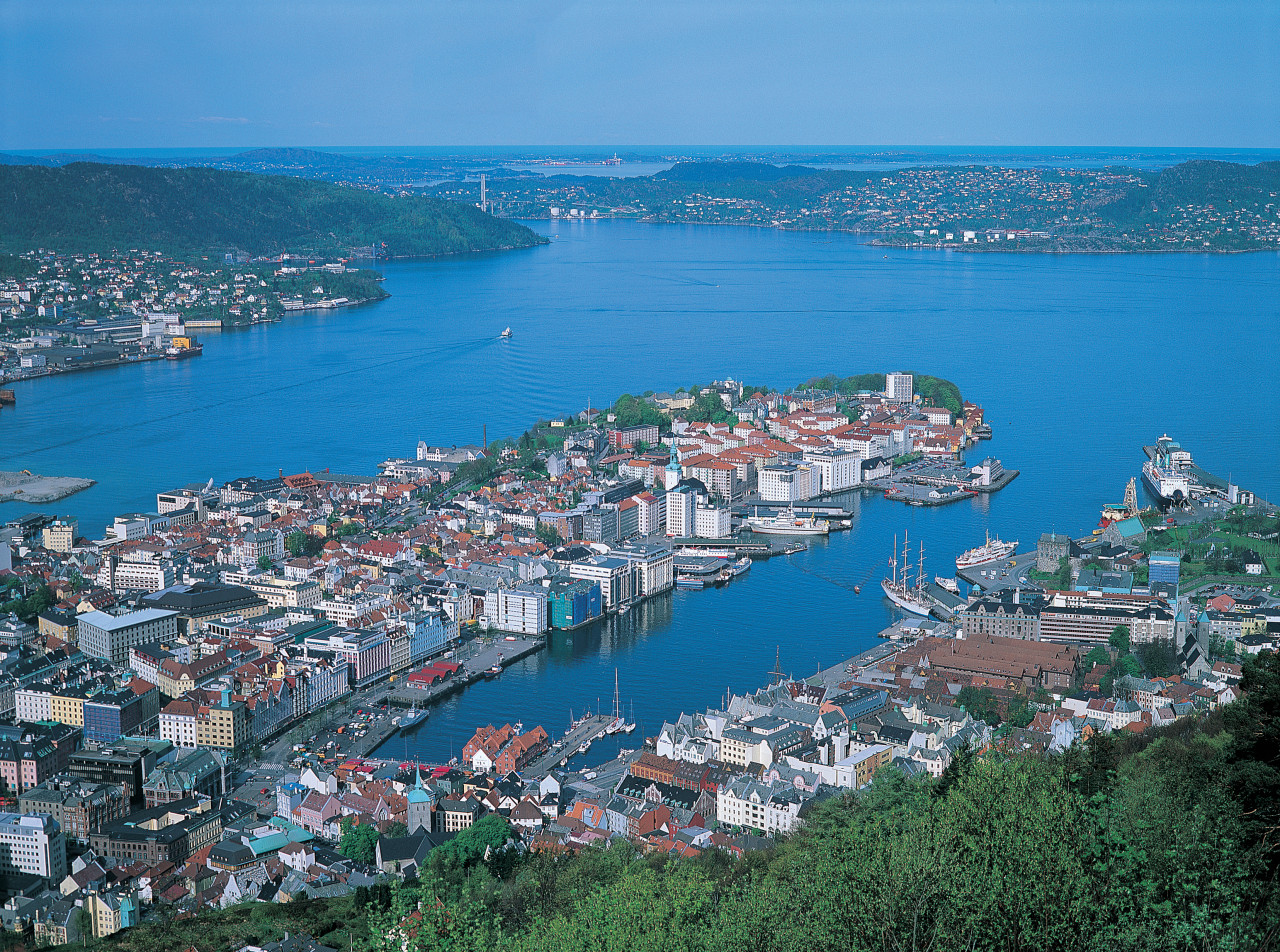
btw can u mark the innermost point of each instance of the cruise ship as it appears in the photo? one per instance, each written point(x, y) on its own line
point(993, 551)
point(787, 523)
point(1168, 472)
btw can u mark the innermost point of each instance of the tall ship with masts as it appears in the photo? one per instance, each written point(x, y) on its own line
point(898, 588)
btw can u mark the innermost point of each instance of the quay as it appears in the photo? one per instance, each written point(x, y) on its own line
point(587, 730)
point(475, 659)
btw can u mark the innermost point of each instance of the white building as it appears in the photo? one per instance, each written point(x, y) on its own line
point(34, 703)
point(60, 535)
point(520, 610)
point(712, 523)
point(653, 564)
point(32, 844)
point(833, 470)
point(178, 723)
point(785, 482)
point(898, 388)
point(614, 576)
point(681, 506)
point(110, 637)
point(127, 575)
point(279, 592)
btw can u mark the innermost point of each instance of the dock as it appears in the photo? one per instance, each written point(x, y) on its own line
point(588, 729)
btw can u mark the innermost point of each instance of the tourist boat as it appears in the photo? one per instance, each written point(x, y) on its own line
point(787, 523)
point(899, 590)
point(993, 551)
point(948, 583)
point(506, 332)
point(690, 581)
point(742, 566)
point(1168, 473)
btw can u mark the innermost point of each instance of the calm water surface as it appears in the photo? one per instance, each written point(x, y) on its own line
point(1078, 361)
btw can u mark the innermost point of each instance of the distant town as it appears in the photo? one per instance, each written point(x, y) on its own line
point(66, 312)
point(192, 696)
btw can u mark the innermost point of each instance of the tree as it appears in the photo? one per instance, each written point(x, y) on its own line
point(1120, 639)
point(359, 841)
point(547, 535)
point(265, 563)
point(980, 703)
point(1097, 655)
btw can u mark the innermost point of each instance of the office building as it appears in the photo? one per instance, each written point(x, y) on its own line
point(110, 637)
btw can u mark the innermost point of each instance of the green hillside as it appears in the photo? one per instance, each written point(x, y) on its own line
point(90, 207)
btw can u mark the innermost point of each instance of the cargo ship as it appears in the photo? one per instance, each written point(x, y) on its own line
point(1168, 473)
point(993, 551)
point(182, 348)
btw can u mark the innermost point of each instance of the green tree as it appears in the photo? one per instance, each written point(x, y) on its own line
point(1119, 639)
point(980, 703)
point(547, 535)
point(359, 841)
point(1097, 655)
point(265, 563)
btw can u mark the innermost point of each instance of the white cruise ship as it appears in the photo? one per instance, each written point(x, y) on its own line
point(1168, 473)
point(788, 523)
point(993, 551)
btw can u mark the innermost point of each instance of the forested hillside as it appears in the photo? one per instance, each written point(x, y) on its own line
point(90, 207)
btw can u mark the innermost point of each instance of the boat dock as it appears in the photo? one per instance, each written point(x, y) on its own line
point(587, 730)
point(475, 664)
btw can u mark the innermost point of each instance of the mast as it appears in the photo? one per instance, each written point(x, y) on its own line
point(893, 560)
point(617, 703)
point(920, 570)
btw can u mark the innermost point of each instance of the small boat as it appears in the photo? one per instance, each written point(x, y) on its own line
point(492, 672)
point(742, 566)
point(586, 746)
point(506, 333)
point(411, 717)
point(857, 590)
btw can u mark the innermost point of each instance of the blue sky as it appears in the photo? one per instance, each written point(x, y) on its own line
point(124, 74)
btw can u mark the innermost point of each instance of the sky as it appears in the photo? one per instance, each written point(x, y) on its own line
point(221, 73)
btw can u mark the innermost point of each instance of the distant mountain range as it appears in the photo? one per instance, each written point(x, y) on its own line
point(86, 206)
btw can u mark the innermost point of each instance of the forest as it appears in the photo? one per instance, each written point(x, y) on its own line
point(84, 207)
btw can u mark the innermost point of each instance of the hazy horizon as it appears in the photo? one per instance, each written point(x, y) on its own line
point(237, 75)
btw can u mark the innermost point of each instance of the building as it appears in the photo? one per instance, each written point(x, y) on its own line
point(1000, 619)
point(110, 912)
point(110, 637)
point(280, 592)
point(614, 576)
point(80, 806)
point(31, 754)
point(131, 710)
point(833, 470)
point(573, 602)
point(1051, 550)
point(178, 722)
point(170, 832)
point(522, 610)
point(32, 844)
point(653, 563)
point(712, 523)
point(195, 773)
point(631, 435)
point(223, 726)
point(367, 653)
point(125, 763)
point(681, 505)
point(129, 575)
point(201, 602)
point(784, 482)
point(898, 387)
point(1164, 567)
point(60, 535)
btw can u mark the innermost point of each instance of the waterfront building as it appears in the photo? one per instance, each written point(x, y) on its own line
point(366, 652)
point(430, 631)
point(833, 469)
point(613, 575)
point(32, 844)
point(79, 806)
point(522, 609)
point(785, 483)
point(110, 637)
point(993, 617)
point(898, 387)
point(573, 602)
point(1094, 623)
point(712, 523)
point(653, 563)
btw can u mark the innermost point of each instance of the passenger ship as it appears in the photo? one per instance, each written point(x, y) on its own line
point(787, 523)
point(993, 551)
point(1168, 473)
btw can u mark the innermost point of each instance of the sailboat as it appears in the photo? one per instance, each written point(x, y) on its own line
point(898, 590)
point(617, 724)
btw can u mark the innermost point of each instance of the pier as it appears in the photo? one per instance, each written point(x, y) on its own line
point(588, 729)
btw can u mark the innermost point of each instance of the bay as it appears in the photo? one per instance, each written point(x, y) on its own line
point(1078, 360)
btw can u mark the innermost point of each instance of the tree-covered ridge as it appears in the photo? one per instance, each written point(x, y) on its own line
point(87, 207)
point(934, 391)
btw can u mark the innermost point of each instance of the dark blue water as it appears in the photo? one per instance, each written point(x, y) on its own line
point(1078, 360)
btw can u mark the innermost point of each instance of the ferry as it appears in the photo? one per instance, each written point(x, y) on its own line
point(993, 551)
point(788, 523)
point(690, 581)
point(898, 589)
point(1168, 473)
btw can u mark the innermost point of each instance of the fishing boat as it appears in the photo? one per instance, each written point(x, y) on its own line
point(787, 523)
point(492, 671)
point(993, 551)
point(899, 589)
